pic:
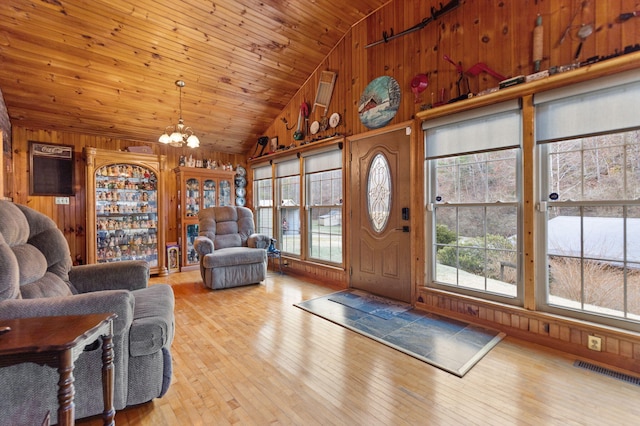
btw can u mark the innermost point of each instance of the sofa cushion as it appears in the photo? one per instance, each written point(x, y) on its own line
point(37, 259)
point(153, 322)
point(227, 240)
point(234, 256)
point(9, 272)
point(49, 285)
point(13, 226)
point(31, 262)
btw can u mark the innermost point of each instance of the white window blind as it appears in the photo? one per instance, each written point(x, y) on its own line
point(262, 172)
point(290, 167)
point(593, 107)
point(319, 162)
point(497, 126)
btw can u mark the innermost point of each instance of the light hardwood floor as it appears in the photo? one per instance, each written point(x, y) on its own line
point(247, 356)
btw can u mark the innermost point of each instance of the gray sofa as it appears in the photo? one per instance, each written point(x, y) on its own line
point(37, 279)
point(231, 253)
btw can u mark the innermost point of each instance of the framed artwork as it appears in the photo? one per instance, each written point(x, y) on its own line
point(173, 257)
point(274, 144)
point(379, 102)
point(50, 169)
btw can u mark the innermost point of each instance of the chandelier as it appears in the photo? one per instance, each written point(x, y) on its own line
point(179, 134)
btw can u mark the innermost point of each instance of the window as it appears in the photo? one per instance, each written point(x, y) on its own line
point(299, 201)
point(263, 195)
point(589, 146)
point(323, 174)
point(288, 192)
point(379, 193)
point(473, 172)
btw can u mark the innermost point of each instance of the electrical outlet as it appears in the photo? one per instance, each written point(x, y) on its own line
point(594, 343)
point(62, 200)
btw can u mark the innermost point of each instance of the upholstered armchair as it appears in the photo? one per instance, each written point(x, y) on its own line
point(37, 279)
point(231, 253)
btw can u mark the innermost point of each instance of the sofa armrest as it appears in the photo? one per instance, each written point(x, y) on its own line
point(126, 275)
point(120, 302)
point(258, 241)
point(203, 246)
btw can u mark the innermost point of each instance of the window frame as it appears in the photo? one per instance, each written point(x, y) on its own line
point(330, 207)
point(288, 171)
point(590, 109)
point(485, 129)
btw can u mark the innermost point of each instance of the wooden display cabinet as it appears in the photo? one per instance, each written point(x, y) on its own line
point(125, 208)
point(199, 189)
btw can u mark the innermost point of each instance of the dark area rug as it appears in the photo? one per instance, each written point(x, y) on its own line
point(451, 345)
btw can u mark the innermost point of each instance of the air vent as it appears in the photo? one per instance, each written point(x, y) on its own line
point(607, 372)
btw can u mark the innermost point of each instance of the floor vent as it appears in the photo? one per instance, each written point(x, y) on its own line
point(607, 372)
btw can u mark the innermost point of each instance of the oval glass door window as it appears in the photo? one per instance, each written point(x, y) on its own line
point(379, 192)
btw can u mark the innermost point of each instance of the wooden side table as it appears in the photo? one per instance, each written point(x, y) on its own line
point(58, 342)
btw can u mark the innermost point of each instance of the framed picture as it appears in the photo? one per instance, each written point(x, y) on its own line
point(50, 169)
point(173, 257)
point(274, 144)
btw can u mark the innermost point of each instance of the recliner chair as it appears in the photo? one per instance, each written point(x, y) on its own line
point(37, 279)
point(231, 253)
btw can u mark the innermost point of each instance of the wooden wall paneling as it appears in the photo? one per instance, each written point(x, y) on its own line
point(411, 55)
point(520, 54)
point(630, 31)
point(340, 99)
point(71, 219)
point(555, 22)
point(588, 17)
point(358, 63)
point(501, 42)
point(465, 24)
point(444, 89)
point(607, 34)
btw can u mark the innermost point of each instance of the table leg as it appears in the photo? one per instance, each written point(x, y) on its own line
point(66, 391)
point(107, 380)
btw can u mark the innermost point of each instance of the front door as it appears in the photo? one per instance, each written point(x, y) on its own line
point(380, 199)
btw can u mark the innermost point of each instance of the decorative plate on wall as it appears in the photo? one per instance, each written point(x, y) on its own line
point(334, 120)
point(315, 126)
point(379, 102)
point(240, 201)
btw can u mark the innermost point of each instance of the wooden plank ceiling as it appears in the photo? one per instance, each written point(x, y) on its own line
point(108, 67)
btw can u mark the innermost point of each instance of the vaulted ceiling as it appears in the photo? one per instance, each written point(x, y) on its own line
point(108, 67)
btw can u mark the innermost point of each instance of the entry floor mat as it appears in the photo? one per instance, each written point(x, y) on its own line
point(451, 345)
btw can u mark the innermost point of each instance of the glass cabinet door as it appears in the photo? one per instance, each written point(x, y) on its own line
point(209, 193)
point(191, 255)
point(126, 214)
point(192, 197)
point(225, 193)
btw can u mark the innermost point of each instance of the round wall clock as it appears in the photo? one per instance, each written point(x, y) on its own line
point(379, 102)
